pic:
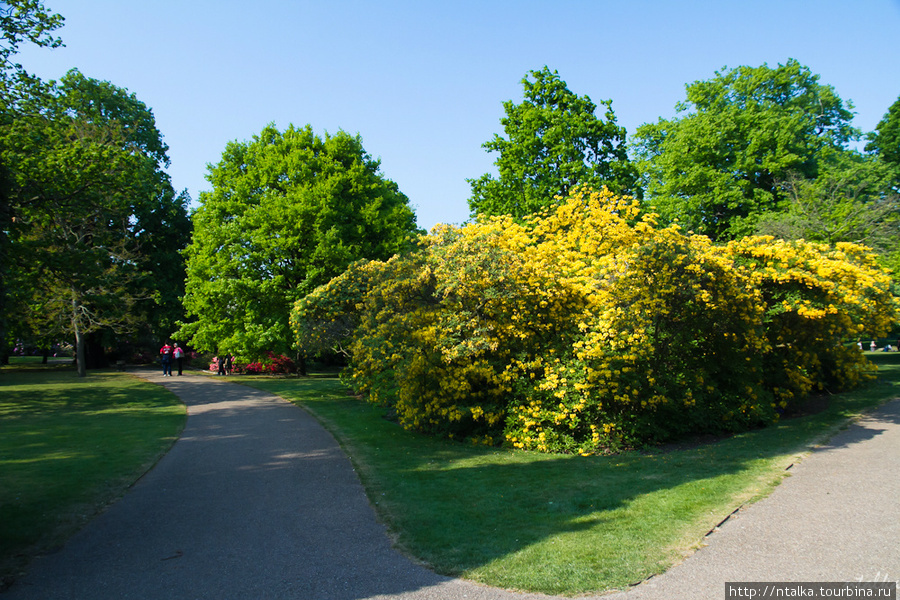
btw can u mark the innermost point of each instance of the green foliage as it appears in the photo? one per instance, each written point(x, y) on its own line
point(739, 136)
point(24, 21)
point(589, 328)
point(851, 200)
point(287, 212)
point(94, 219)
point(885, 141)
point(554, 143)
point(20, 21)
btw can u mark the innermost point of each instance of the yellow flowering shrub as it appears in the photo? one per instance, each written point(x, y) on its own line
point(589, 328)
point(816, 299)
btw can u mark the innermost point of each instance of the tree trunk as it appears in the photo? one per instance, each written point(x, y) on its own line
point(301, 364)
point(79, 351)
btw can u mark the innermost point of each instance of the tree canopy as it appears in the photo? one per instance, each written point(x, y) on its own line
point(25, 21)
point(287, 212)
point(885, 141)
point(92, 213)
point(849, 201)
point(20, 21)
point(738, 137)
point(554, 142)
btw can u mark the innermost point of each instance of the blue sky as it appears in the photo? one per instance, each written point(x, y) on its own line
point(423, 82)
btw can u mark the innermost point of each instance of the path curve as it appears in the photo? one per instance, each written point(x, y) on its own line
point(836, 518)
point(254, 501)
point(257, 501)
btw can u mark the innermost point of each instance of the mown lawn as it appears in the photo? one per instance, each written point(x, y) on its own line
point(70, 446)
point(562, 524)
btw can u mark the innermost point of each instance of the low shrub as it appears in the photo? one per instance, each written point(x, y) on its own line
point(273, 364)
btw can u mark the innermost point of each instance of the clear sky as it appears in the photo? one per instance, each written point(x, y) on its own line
point(423, 81)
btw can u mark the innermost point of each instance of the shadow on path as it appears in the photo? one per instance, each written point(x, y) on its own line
point(255, 501)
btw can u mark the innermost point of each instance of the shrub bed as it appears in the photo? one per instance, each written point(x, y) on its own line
point(589, 328)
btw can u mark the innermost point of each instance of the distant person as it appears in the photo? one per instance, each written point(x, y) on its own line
point(228, 364)
point(220, 360)
point(872, 346)
point(178, 353)
point(166, 356)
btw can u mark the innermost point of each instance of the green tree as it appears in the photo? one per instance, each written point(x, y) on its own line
point(287, 212)
point(554, 142)
point(20, 21)
point(92, 210)
point(739, 135)
point(24, 21)
point(850, 201)
point(885, 141)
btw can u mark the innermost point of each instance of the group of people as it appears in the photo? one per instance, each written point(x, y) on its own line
point(168, 354)
point(873, 346)
point(224, 363)
point(174, 353)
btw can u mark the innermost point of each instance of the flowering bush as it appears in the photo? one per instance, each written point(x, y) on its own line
point(590, 328)
point(274, 364)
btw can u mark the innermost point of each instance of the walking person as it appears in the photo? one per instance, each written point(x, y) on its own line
point(178, 353)
point(166, 357)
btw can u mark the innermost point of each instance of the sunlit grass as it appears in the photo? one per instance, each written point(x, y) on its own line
point(561, 524)
point(69, 446)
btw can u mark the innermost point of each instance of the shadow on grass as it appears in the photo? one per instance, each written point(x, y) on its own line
point(564, 524)
point(68, 447)
point(550, 523)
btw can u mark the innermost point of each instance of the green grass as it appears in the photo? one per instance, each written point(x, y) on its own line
point(70, 446)
point(562, 524)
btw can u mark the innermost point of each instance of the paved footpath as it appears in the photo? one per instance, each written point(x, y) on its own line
point(835, 519)
point(257, 501)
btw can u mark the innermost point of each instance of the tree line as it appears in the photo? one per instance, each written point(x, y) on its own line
point(98, 248)
point(92, 228)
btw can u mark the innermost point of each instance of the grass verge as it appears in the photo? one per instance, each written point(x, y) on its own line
point(69, 447)
point(556, 524)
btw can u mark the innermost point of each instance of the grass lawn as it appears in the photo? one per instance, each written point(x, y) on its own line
point(70, 446)
point(562, 524)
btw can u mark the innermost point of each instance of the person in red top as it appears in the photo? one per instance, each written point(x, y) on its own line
point(166, 353)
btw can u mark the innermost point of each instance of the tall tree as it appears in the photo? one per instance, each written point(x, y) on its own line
point(20, 21)
point(554, 142)
point(739, 135)
point(885, 141)
point(287, 212)
point(89, 200)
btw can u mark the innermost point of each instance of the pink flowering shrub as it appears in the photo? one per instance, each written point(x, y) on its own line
point(273, 364)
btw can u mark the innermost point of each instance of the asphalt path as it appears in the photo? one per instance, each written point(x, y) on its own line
point(836, 518)
point(257, 501)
